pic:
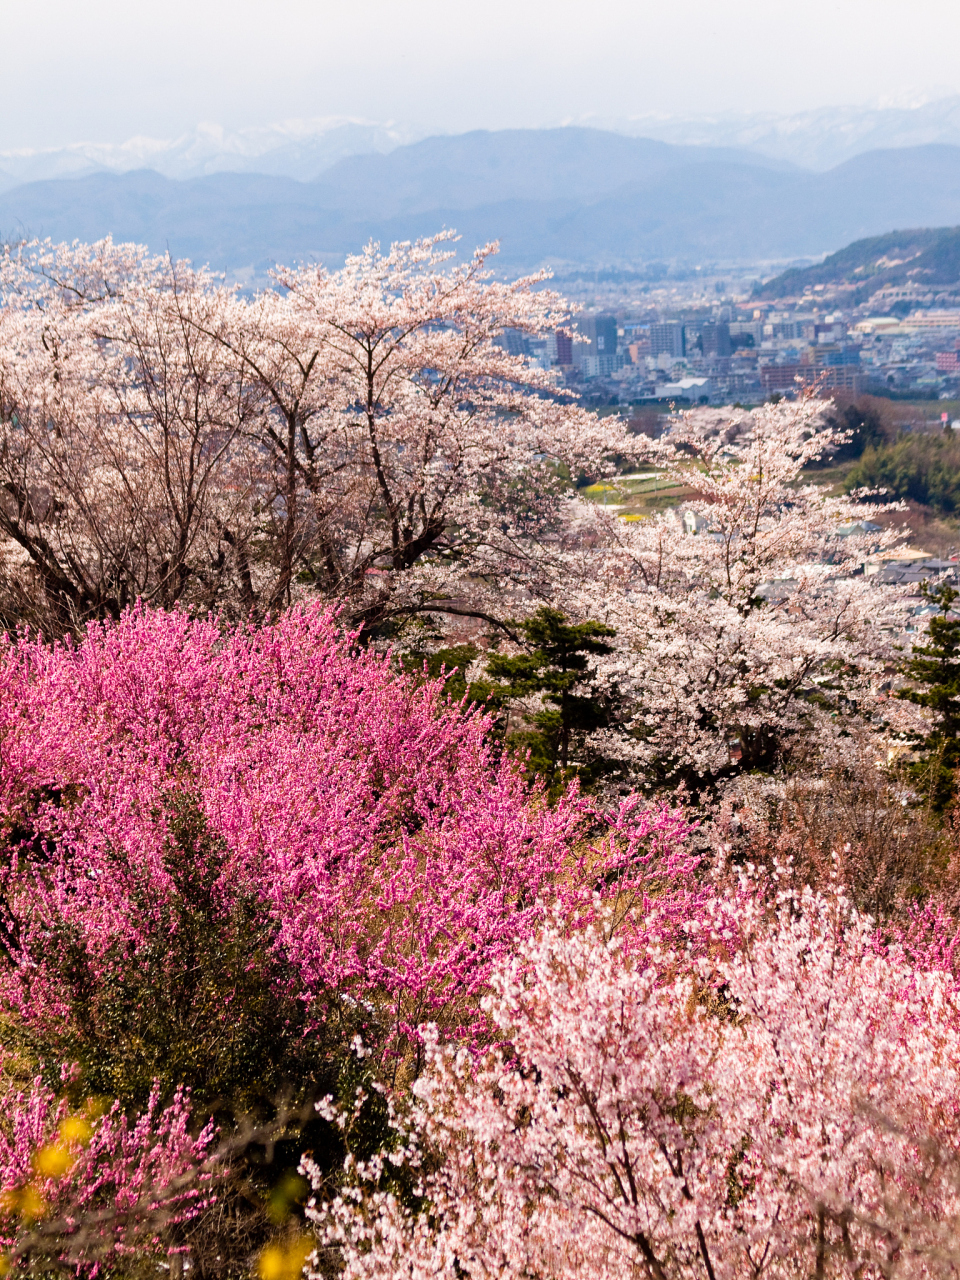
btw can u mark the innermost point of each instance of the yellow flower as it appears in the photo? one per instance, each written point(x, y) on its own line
point(52, 1161)
point(26, 1201)
point(32, 1204)
point(272, 1263)
point(76, 1129)
point(285, 1262)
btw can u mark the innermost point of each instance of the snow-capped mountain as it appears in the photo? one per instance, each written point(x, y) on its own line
point(294, 148)
point(818, 139)
point(303, 149)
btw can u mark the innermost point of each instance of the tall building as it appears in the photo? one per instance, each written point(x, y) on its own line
point(666, 338)
point(837, 356)
point(597, 357)
point(564, 348)
point(514, 342)
point(715, 338)
point(601, 333)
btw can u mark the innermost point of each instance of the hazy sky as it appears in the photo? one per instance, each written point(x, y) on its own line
point(107, 69)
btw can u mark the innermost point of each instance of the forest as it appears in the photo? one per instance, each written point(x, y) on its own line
point(415, 867)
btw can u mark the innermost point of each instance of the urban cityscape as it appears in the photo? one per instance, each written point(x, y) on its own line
point(686, 347)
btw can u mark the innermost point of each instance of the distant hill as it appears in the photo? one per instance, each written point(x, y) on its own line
point(299, 149)
point(567, 197)
point(925, 256)
point(480, 168)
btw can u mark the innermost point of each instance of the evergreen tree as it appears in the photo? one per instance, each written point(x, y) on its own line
point(556, 666)
point(452, 662)
point(934, 668)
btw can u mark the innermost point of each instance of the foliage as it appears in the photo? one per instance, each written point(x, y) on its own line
point(922, 467)
point(554, 666)
point(134, 1026)
point(862, 427)
point(455, 665)
point(934, 669)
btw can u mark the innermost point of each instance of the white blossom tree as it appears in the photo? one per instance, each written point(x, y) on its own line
point(744, 621)
point(362, 433)
point(123, 470)
point(764, 1093)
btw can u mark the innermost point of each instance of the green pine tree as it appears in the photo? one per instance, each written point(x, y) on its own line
point(934, 669)
point(556, 665)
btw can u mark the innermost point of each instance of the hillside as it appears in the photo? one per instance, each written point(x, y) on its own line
point(559, 196)
point(923, 255)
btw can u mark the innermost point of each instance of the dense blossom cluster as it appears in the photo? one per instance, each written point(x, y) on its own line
point(778, 1099)
point(391, 857)
point(101, 1185)
point(694, 1073)
point(744, 620)
point(217, 827)
point(166, 438)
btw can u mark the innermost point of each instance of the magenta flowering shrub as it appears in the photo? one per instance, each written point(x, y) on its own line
point(253, 862)
point(344, 829)
point(109, 1185)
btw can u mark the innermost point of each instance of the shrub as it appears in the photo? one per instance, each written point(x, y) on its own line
point(923, 468)
point(231, 855)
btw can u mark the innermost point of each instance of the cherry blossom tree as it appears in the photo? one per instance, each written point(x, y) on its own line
point(362, 433)
point(777, 1097)
point(121, 466)
point(744, 620)
point(452, 434)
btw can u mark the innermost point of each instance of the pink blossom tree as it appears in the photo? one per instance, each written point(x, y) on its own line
point(778, 1097)
point(229, 853)
point(346, 834)
point(82, 1190)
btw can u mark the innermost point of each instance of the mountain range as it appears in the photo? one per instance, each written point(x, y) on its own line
point(817, 139)
point(299, 149)
point(568, 196)
point(303, 148)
